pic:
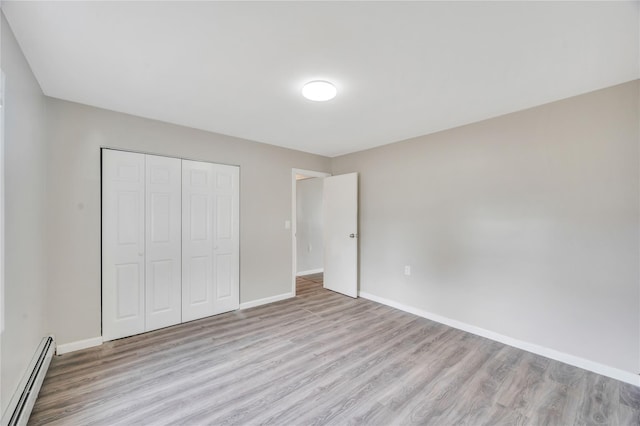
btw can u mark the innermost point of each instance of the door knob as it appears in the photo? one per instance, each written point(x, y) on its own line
point(353, 235)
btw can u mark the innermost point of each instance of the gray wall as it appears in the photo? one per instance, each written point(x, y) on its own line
point(309, 238)
point(25, 183)
point(525, 225)
point(76, 134)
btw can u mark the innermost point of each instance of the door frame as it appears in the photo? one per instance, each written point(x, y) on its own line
point(294, 219)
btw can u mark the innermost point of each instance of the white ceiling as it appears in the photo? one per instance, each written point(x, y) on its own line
point(402, 69)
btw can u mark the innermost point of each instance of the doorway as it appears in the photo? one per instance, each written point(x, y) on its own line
point(306, 223)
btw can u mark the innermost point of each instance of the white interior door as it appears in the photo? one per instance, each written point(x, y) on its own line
point(226, 242)
point(340, 214)
point(197, 240)
point(210, 239)
point(123, 269)
point(163, 242)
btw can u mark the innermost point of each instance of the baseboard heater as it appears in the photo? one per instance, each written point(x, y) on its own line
point(25, 397)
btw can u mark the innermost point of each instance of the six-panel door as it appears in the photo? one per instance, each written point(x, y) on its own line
point(226, 232)
point(163, 241)
point(170, 241)
point(123, 243)
point(210, 239)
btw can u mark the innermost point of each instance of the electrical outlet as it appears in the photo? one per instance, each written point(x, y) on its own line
point(407, 270)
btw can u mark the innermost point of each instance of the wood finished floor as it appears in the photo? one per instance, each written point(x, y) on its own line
point(322, 358)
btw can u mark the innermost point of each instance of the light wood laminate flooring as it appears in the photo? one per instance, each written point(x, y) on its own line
point(323, 359)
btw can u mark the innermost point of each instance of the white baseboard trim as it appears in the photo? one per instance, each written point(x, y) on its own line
point(78, 345)
point(605, 370)
point(309, 272)
point(266, 300)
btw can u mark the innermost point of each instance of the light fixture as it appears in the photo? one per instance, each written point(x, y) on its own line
point(319, 90)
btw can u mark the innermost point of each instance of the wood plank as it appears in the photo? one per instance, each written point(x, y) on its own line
point(323, 358)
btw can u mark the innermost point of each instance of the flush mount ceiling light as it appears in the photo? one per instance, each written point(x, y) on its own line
point(319, 91)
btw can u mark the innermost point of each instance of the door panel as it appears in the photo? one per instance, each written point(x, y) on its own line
point(199, 217)
point(224, 213)
point(226, 239)
point(127, 207)
point(197, 240)
point(160, 215)
point(223, 276)
point(160, 273)
point(123, 271)
point(210, 243)
point(199, 280)
point(340, 214)
point(127, 295)
point(163, 241)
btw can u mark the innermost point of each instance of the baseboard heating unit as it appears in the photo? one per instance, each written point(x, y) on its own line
point(19, 409)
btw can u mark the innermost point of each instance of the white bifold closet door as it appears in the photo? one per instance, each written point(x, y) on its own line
point(141, 243)
point(210, 239)
point(163, 264)
point(123, 240)
point(170, 241)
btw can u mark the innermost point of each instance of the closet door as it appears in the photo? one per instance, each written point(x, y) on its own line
point(197, 240)
point(123, 239)
point(226, 247)
point(210, 243)
point(163, 242)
